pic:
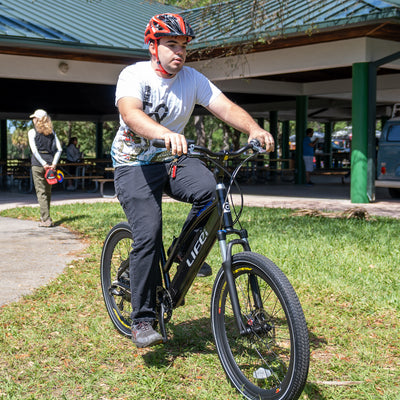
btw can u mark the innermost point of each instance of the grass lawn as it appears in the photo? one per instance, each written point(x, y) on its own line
point(59, 343)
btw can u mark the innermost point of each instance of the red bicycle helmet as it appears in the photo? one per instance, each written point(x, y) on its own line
point(167, 25)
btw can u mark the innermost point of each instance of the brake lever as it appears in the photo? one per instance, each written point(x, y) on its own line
point(191, 150)
point(256, 146)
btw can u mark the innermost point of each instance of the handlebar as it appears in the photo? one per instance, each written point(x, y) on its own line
point(217, 158)
point(194, 149)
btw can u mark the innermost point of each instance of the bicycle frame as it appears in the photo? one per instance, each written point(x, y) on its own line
point(214, 222)
point(257, 322)
point(195, 255)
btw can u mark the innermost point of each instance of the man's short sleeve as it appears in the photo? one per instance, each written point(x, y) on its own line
point(206, 90)
point(128, 85)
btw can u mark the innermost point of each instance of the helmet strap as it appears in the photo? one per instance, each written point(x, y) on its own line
point(160, 67)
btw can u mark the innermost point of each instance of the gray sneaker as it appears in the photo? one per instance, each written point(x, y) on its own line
point(143, 335)
point(46, 224)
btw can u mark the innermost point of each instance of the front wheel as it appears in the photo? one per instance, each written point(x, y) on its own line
point(114, 274)
point(270, 358)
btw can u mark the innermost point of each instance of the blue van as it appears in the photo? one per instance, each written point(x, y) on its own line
point(388, 157)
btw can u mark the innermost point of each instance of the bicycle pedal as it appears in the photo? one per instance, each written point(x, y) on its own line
point(115, 292)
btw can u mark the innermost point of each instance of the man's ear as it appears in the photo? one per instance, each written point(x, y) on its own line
point(152, 49)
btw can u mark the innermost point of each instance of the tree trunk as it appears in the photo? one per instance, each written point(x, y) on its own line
point(227, 132)
point(200, 131)
point(236, 139)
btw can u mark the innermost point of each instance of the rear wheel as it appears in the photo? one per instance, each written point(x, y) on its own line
point(270, 359)
point(114, 273)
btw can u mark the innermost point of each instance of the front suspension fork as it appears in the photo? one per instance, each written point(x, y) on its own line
point(226, 251)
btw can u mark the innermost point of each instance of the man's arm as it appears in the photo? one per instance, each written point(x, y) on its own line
point(131, 110)
point(238, 118)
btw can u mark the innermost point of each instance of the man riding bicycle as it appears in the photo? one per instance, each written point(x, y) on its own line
point(155, 100)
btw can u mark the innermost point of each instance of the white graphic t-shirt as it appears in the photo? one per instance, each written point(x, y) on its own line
point(170, 102)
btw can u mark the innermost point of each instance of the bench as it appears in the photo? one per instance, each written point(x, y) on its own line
point(286, 174)
point(342, 173)
point(23, 185)
point(102, 181)
point(93, 178)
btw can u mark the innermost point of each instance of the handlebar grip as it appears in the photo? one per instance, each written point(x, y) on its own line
point(160, 143)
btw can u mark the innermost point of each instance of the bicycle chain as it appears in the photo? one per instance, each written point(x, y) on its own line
point(166, 300)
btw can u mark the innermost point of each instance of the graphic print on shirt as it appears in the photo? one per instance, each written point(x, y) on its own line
point(169, 102)
point(160, 112)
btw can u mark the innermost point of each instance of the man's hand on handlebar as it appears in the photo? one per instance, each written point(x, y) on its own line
point(265, 139)
point(175, 143)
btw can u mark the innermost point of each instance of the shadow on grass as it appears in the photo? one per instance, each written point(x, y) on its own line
point(195, 336)
point(311, 389)
point(69, 219)
point(316, 341)
point(184, 338)
point(313, 392)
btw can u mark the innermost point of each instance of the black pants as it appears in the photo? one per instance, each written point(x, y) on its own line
point(139, 190)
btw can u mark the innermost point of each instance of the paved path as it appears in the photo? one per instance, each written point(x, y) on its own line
point(326, 197)
point(23, 244)
point(32, 256)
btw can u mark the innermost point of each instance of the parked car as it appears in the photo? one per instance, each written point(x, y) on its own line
point(339, 147)
point(388, 157)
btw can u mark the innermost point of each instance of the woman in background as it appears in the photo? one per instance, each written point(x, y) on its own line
point(46, 151)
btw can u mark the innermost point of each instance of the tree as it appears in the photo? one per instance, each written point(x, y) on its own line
point(18, 144)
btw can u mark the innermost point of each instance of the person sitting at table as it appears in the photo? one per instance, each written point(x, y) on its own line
point(74, 155)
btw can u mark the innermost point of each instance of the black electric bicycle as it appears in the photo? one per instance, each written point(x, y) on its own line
point(257, 321)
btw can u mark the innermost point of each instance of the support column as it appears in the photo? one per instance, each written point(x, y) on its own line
point(258, 173)
point(359, 153)
point(285, 142)
point(3, 140)
point(328, 144)
point(364, 117)
point(371, 132)
point(99, 139)
point(273, 130)
point(301, 126)
point(3, 152)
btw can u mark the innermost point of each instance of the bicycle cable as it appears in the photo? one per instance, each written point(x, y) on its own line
point(228, 191)
point(232, 180)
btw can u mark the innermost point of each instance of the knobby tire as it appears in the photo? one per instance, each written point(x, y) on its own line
point(114, 274)
point(271, 360)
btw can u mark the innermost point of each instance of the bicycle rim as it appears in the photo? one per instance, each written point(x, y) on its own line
point(270, 361)
point(114, 273)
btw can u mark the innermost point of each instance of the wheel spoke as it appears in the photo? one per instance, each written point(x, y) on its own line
point(260, 360)
point(115, 277)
